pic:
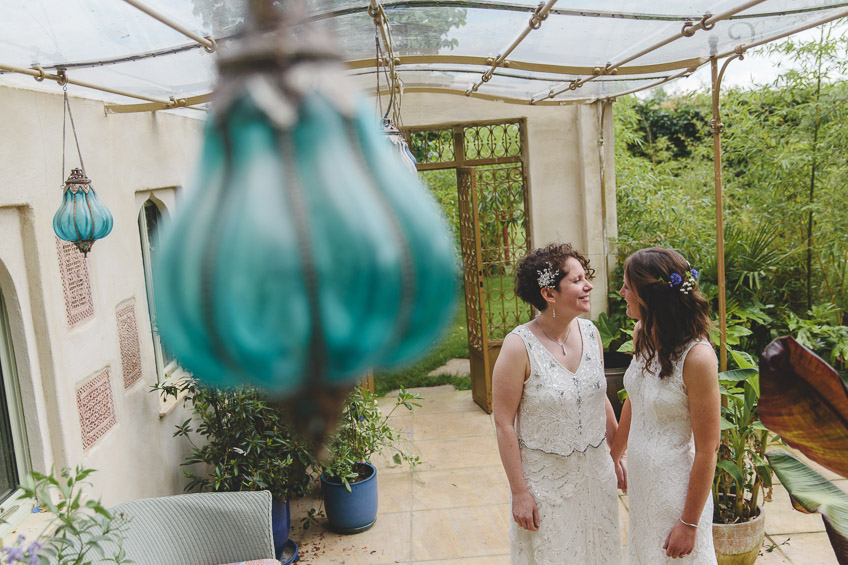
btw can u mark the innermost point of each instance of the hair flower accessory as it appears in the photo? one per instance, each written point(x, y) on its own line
point(547, 277)
point(686, 281)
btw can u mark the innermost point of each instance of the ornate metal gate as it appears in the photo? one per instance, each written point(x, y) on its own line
point(494, 230)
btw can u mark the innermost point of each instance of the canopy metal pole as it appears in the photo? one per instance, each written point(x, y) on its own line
point(39, 74)
point(539, 15)
point(208, 42)
point(716, 127)
point(707, 22)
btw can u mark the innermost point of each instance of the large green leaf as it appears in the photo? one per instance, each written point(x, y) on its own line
point(810, 492)
point(804, 401)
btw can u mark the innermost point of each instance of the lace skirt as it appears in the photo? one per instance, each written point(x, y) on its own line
point(578, 510)
point(658, 482)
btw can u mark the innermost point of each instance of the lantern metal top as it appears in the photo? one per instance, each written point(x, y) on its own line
point(77, 177)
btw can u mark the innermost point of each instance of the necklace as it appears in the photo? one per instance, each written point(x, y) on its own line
point(561, 344)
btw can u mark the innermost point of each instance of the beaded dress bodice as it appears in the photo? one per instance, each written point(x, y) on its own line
point(560, 411)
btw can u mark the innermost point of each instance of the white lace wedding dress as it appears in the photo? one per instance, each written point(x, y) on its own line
point(561, 426)
point(660, 452)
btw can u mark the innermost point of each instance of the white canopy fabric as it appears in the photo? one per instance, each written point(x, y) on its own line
point(571, 51)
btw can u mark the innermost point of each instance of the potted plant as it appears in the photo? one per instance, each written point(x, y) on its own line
point(616, 331)
point(245, 445)
point(349, 480)
point(743, 478)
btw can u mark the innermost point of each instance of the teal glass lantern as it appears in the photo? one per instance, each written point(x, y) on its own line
point(304, 253)
point(82, 218)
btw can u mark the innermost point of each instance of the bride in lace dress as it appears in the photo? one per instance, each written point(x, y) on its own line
point(552, 416)
point(670, 421)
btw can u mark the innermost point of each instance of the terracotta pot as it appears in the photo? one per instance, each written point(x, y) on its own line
point(739, 544)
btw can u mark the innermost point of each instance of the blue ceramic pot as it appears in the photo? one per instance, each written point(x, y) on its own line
point(280, 523)
point(355, 511)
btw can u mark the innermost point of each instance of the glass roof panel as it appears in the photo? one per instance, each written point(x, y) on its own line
point(439, 42)
point(52, 32)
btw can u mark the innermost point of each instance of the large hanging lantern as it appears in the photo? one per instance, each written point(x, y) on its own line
point(304, 253)
point(82, 218)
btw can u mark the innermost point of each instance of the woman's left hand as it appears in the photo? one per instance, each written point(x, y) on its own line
point(621, 473)
point(681, 541)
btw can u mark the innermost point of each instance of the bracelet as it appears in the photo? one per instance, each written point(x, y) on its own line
point(688, 524)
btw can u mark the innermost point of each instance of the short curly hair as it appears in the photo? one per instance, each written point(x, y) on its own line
point(555, 255)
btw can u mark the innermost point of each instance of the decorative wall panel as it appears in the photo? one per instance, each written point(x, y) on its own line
point(75, 282)
point(128, 340)
point(96, 408)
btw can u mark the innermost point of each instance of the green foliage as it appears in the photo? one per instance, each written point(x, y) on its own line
point(742, 471)
point(245, 442)
point(80, 531)
point(615, 328)
point(362, 431)
point(454, 344)
point(785, 203)
point(822, 333)
point(424, 30)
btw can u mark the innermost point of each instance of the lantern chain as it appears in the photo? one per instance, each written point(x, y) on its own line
point(66, 112)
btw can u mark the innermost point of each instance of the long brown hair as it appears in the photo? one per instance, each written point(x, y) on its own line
point(671, 318)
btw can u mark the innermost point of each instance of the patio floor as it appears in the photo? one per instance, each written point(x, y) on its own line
point(454, 506)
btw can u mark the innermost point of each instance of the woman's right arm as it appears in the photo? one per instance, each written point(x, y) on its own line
point(619, 446)
point(511, 370)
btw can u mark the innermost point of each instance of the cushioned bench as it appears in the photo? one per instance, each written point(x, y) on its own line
point(198, 529)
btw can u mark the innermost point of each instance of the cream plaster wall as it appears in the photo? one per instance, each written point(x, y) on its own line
point(131, 157)
point(567, 201)
point(128, 157)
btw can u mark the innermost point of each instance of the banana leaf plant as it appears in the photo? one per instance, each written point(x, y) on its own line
point(805, 401)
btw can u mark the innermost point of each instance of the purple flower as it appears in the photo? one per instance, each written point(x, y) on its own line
point(33, 550)
point(694, 273)
point(14, 554)
point(675, 279)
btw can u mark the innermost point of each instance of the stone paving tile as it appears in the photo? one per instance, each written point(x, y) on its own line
point(806, 549)
point(459, 424)
point(388, 541)
point(476, 486)
point(473, 531)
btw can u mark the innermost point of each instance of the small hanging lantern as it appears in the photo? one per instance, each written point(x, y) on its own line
point(305, 253)
point(399, 142)
point(82, 218)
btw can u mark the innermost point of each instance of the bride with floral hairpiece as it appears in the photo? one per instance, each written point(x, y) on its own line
point(552, 416)
point(670, 420)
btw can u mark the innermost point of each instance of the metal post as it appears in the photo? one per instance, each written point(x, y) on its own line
point(716, 127)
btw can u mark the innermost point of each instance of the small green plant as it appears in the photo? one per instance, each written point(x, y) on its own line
point(743, 475)
point(363, 431)
point(245, 442)
point(79, 532)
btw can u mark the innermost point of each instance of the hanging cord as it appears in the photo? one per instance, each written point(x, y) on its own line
point(64, 123)
point(67, 109)
point(378, 61)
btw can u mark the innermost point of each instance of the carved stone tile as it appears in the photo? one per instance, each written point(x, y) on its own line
point(129, 342)
point(75, 282)
point(96, 408)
